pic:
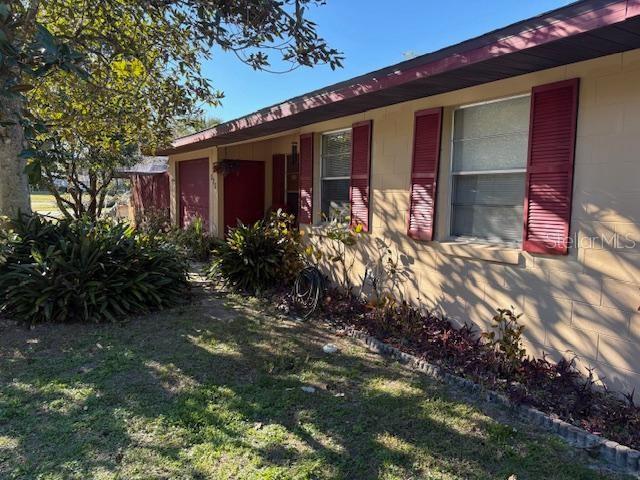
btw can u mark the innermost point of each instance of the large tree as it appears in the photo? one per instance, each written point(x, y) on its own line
point(95, 127)
point(58, 42)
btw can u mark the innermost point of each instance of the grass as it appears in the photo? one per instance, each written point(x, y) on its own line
point(45, 204)
point(213, 390)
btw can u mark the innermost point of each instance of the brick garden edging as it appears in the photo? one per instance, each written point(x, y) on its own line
point(611, 452)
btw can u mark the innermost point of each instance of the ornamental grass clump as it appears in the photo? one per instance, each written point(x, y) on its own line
point(85, 271)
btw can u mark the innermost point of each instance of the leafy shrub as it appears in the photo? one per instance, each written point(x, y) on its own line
point(281, 225)
point(195, 241)
point(260, 256)
point(338, 229)
point(394, 319)
point(153, 221)
point(506, 339)
point(82, 271)
point(405, 325)
point(7, 240)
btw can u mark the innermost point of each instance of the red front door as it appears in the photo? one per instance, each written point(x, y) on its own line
point(193, 179)
point(244, 193)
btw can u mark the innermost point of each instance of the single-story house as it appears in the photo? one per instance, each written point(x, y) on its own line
point(504, 170)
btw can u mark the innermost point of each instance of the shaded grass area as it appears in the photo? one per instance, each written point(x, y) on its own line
point(213, 390)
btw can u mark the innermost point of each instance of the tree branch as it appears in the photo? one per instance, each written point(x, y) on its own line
point(62, 202)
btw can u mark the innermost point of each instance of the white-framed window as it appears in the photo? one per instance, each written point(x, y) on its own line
point(488, 170)
point(335, 179)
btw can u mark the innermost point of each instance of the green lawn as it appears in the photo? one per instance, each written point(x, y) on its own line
point(45, 204)
point(213, 390)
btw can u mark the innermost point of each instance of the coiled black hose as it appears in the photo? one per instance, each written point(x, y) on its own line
point(308, 290)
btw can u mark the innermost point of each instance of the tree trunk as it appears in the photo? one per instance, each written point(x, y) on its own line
point(14, 185)
point(93, 195)
point(107, 178)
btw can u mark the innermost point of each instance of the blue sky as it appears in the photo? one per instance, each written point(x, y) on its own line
point(372, 34)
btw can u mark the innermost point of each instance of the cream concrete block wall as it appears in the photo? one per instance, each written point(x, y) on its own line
point(584, 303)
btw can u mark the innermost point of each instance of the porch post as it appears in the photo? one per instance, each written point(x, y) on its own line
point(216, 196)
point(173, 193)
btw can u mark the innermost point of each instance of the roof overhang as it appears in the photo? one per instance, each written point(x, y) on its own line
point(581, 31)
point(148, 165)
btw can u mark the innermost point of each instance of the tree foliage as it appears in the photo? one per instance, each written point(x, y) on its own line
point(94, 80)
point(191, 124)
point(37, 37)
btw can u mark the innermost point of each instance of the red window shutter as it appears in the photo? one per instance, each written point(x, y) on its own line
point(424, 173)
point(305, 214)
point(360, 168)
point(278, 181)
point(552, 138)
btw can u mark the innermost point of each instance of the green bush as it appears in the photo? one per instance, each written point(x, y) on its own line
point(79, 271)
point(260, 256)
point(195, 241)
point(506, 339)
point(153, 221)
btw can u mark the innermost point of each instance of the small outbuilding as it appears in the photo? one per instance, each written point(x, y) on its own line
point(149, 188)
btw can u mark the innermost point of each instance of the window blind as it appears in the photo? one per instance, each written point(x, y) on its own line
point(488, 171)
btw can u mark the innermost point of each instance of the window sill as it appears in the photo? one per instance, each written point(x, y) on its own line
point(480, 251)
point(316, 229)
